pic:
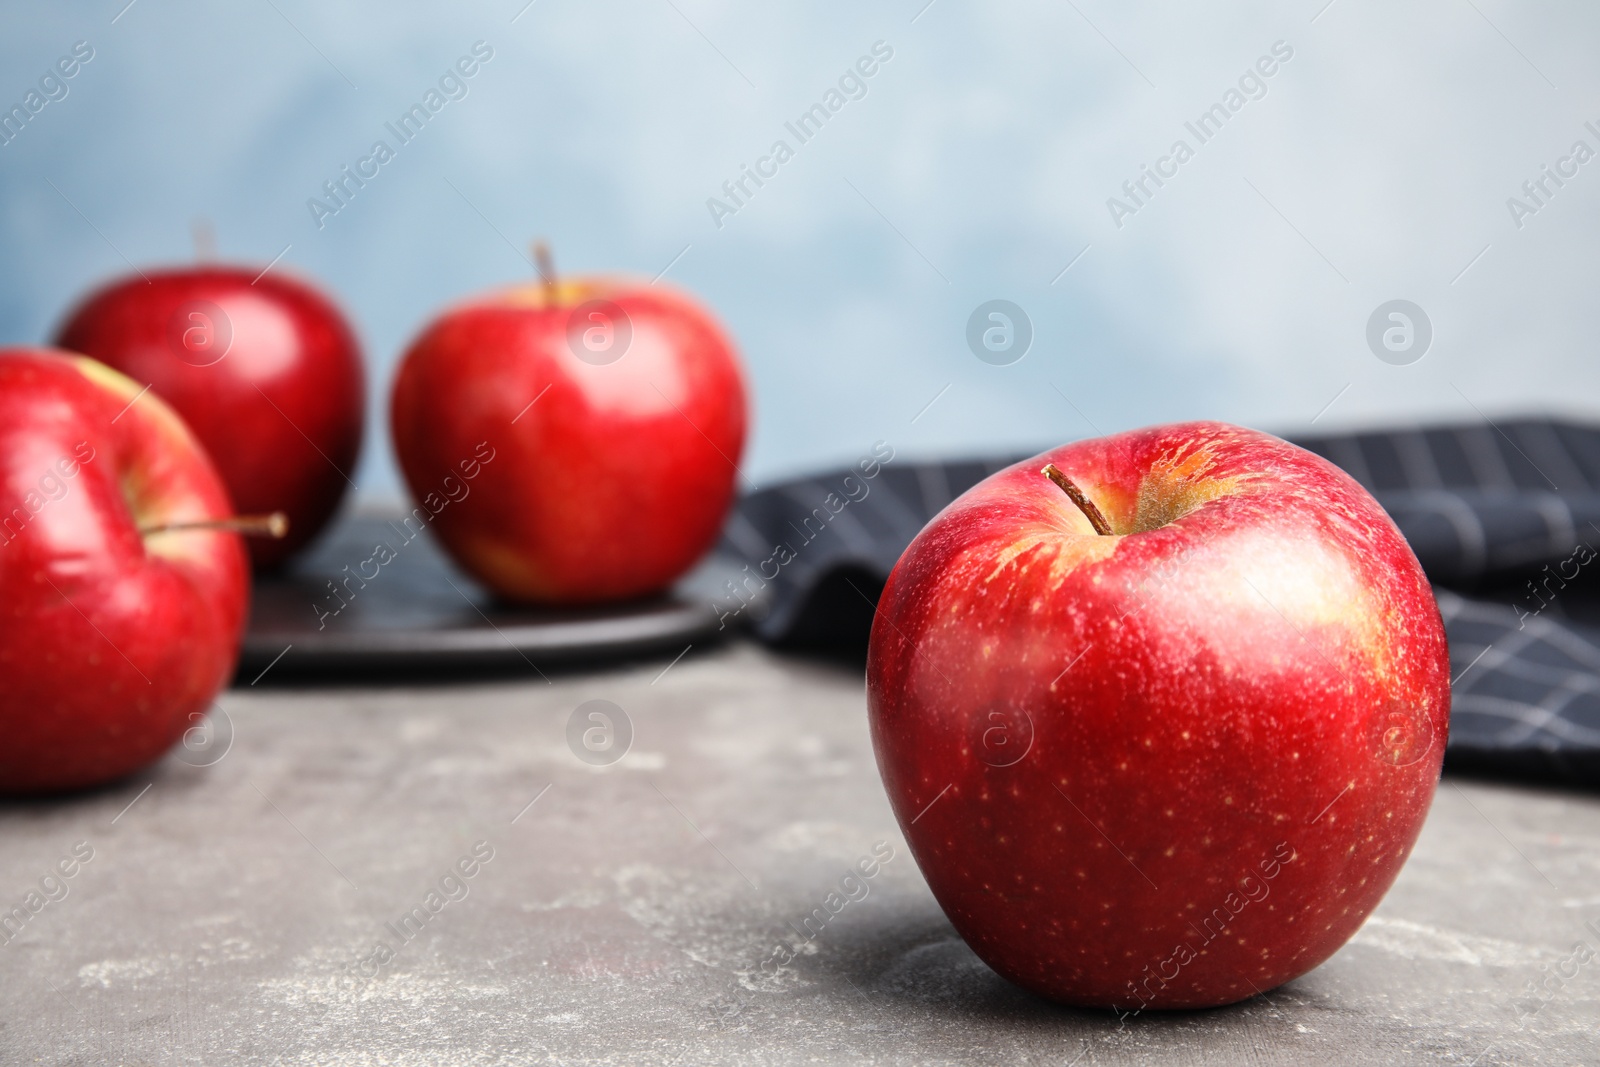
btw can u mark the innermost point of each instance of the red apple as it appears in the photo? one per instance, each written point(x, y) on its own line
point(262, 367)
point(612, 415)
point(1176, 763)
point(114, 635)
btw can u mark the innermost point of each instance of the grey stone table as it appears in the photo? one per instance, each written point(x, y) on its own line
point(254, 910)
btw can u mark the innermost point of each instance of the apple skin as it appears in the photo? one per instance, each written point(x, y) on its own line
point(281, 410)
point(1238, 701)
point(618, 477)
point(112, 643)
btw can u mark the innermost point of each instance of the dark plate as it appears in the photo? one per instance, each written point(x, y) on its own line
point(419, 613)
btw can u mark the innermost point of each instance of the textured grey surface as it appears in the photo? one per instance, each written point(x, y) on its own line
point(226, 914)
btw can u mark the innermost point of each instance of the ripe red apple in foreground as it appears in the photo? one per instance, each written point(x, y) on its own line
point(572, 441)
point(114, 635)
point(1175, 763)
point(262, 367)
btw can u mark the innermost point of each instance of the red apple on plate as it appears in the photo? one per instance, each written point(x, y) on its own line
point(262, 367)
point(119, 621)
point(575, 440)
point(1169, 746)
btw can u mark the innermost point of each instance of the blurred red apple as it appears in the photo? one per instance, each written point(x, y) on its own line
point(1175, 763)
point(115, 634)
point(612, 416)
point(262, 367)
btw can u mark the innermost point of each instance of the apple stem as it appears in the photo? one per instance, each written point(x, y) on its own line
point(546, 268)
point(275, 525)
point(1085, 505)
point(205, 240)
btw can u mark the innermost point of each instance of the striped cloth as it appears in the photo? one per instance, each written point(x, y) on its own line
point(1503, 518)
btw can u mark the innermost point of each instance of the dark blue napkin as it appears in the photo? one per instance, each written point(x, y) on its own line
point(1505, 519)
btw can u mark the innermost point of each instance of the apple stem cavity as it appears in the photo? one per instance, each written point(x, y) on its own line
point(275, 525)
point(546, 268)
point(1085, 505)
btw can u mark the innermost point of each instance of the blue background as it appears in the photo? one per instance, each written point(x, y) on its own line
point(978, 166)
